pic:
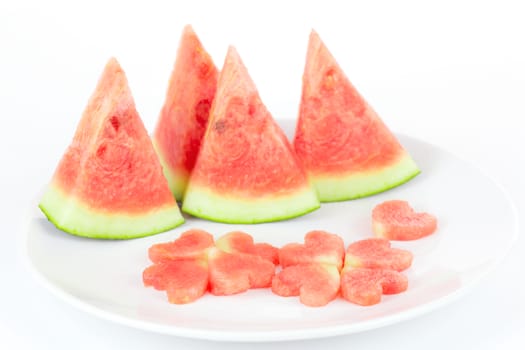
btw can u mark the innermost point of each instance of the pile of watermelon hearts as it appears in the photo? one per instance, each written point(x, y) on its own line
point(317, 270)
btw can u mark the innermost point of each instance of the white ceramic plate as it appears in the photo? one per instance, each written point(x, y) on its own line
point(477, 227)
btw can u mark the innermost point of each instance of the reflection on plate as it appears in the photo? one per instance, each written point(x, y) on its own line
point(477, 226)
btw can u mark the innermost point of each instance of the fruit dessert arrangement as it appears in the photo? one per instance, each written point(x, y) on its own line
point(217, 149)
point(318, 270)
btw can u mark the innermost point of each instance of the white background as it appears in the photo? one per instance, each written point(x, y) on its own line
point(448, 72)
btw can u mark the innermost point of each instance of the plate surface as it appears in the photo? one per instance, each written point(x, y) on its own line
point(477, 225)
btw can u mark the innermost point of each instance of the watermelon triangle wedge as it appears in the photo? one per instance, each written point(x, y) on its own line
point(184, 116)
point(246, 171)
point(109, 183)
point(343, 144)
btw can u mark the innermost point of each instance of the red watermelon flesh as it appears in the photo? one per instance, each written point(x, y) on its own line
point(365, 286)
point(183, 118)
point(315, 284)
point(246, 171)
point(109, 182)
point(377, 253)
point(184, 281)
point(396, 220)
point(319, 247)
point(192, 244)
point(241, 242)
point(233, 273)
point(346, 148)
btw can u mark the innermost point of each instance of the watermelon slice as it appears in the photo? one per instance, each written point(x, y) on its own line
point(319, 247)
point(184, 281)
point(341, 141)
point(191, 244)
point(377, 253)
point(182, 121)
point(246, 171)
point(233, 273)
point(109, 183)
point(242, 242)
point(363, 286)
point(396, 220)
point(316, 284)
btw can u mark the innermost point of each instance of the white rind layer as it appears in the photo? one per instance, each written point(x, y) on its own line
point(70, 215)
point(338, 187)
point(203, 203)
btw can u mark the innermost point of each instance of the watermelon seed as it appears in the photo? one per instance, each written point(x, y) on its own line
point(251, 109)
point(202, 109)
point(219, 126)
point(115, 122)
point(101, 150)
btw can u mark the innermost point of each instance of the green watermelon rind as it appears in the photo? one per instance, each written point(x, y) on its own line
point(71, 216)
point(205, 204)
point(337, 188)
point(177, 181)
